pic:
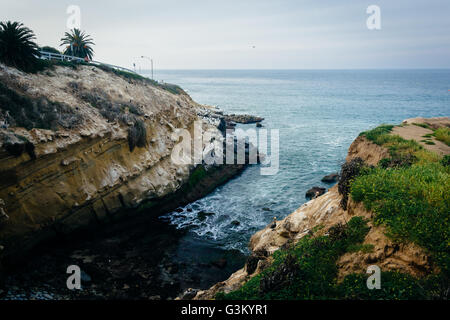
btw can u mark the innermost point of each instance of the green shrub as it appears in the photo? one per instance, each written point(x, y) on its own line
point(349, 171)
point(445, 161)
point(394, 286)
point(50, 49)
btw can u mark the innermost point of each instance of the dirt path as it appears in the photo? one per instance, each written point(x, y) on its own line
point(412, 131)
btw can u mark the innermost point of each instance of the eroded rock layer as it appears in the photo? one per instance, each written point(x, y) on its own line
point(104, 149)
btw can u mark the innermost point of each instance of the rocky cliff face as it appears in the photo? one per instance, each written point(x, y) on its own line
point(326, 211)
point(103, 146)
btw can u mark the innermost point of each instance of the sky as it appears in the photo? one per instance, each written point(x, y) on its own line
point(247, 34)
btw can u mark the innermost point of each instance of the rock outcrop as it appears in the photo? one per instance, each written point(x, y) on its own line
point(326, 211)
point(80, 174)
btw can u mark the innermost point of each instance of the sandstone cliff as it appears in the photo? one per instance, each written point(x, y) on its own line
point(84, 165)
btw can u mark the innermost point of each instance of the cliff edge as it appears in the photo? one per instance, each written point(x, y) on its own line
point(82, 146)
point(322, 216)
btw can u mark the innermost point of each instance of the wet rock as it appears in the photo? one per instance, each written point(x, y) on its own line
point(179, 210)
point(235, 223)
point(221, 263)
point(315, 191)
point(85, 277)
point(333, 177)
point(243, 118)
point(189, 294)
point(203, 214)
point(266, 209)
point(259, 125)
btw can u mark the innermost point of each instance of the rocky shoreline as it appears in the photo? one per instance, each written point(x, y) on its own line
point(332, 207)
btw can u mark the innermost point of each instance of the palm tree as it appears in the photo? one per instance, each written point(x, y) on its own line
point(78, 44)
point(17, 46)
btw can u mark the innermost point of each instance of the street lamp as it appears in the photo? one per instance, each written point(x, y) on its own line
point(151, 62)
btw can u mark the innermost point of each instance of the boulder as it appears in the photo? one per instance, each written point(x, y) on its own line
point(311, 193)
point(189, 294)
point(333, 177)
point(203, 214)
point(235, 223)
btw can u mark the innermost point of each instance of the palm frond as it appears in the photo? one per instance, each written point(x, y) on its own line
point(78, 44)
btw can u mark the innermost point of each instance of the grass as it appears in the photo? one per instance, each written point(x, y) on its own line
point(305, 271)
point(172, 88)
point(376, 135)
point(365, 248)
point(412, 201)
point(423, 125)
point(308, 270)
point(443, 134)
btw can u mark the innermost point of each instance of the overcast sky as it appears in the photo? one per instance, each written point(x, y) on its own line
point(243, 34)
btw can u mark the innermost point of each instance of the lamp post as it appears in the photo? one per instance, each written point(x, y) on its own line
point(151, 62)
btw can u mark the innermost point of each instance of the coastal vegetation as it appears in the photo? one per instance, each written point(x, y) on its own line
point(411, 200)
point(407, 194)
point(20, 110)
point(308, 270)
point(50, 49)
point(129, 76)
point(443, 134)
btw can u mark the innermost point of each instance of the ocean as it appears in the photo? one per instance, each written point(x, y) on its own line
point(318, 114)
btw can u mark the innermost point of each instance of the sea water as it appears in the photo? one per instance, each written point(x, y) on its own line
point(318, 114)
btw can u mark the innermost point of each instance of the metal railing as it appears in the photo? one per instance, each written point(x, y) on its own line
point(45, 55)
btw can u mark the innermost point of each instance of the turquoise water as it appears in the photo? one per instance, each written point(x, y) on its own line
point(318, 113)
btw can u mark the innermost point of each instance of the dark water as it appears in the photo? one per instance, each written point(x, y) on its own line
point(318, 113)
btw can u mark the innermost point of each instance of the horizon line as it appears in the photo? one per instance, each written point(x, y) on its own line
point(293, 69)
